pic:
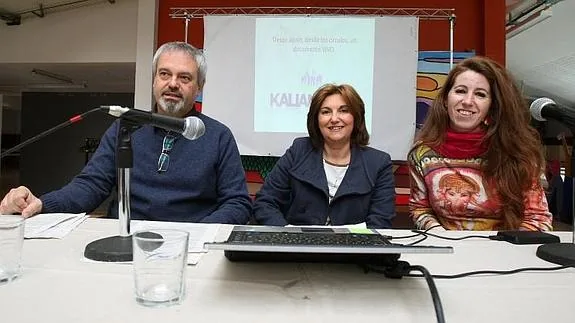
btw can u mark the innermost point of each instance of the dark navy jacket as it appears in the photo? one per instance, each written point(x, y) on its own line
point(295, 191)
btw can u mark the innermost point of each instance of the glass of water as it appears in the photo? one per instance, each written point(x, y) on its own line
point(11, 241)
point(160, 260)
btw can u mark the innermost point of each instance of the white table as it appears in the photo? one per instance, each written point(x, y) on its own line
point(57, 285)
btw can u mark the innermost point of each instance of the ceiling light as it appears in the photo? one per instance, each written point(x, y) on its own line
point(54, 76)
point(57, 86)
point(543, 15)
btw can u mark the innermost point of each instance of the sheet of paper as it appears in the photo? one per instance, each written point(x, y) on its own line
point(52, 225)
point(199, 233)
point(62, 229)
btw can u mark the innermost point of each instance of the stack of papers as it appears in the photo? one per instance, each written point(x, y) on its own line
point(52, 225)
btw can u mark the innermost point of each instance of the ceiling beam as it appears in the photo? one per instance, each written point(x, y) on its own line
point(15, 18)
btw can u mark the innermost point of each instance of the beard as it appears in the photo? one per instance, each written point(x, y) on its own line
point(172, 107)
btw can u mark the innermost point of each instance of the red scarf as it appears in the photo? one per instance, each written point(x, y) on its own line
point(462, 145)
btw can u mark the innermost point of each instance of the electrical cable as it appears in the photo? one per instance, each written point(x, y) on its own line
point(493, 272)
point(452, 238)
point(403, 269)
point(433, 290)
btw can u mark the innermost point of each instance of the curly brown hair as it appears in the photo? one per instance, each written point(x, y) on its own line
point(359, 134)
point(514, 158)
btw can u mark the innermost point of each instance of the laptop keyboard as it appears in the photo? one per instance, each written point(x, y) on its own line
point(308, 239)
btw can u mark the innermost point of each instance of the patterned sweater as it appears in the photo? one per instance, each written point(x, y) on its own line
point(453, 193)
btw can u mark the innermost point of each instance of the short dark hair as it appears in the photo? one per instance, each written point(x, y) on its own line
point(359, 134)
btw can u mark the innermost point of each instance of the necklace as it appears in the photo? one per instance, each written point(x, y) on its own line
point(335, 164)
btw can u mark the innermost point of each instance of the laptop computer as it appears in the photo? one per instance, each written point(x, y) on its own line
point(315, 244)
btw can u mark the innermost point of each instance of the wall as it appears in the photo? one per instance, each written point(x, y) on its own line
point(10, 121)
point(52, 161)
point(479, 27)
point(145, 47)
point(97, 33)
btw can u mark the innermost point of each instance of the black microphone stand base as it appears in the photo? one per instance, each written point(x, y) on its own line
point(558, 253)
point(110, 249)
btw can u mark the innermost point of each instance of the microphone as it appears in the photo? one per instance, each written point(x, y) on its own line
point(191, 127)
point(544, 108)
point(561, 253)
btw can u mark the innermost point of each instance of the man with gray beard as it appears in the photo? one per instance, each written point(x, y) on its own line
point(172, 179)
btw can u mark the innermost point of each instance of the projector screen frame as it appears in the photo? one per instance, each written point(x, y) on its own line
point(189, 13)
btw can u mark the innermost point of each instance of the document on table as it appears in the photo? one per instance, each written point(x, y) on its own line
point(52, 225)
point(199, 233)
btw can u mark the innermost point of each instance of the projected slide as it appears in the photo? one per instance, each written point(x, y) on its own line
point(294, 56)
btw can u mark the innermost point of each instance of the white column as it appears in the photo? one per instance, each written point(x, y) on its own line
point(145, 47)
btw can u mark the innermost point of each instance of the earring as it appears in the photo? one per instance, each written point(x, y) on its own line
point(487, 121)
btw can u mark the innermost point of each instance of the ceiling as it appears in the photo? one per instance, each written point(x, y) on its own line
point(24, 7)
point(97, 77)
point(542, 58)
point(92, 77)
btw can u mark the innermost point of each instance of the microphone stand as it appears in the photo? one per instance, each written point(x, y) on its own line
point(563, 253)
point(37, 137)
point(119, 248)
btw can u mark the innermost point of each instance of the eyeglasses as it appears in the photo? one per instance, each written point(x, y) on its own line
point(164, 159)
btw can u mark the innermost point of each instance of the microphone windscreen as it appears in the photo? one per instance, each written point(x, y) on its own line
point(194, 128)
point(538, 105)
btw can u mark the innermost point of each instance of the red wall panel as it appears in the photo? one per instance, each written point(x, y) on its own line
point(479, 26)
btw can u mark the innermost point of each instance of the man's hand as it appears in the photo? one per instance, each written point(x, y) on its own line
point(21, 200)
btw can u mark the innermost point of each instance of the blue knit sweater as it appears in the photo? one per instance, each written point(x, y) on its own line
point(204, 182)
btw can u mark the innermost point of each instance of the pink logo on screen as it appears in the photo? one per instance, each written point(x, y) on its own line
point(312, 79)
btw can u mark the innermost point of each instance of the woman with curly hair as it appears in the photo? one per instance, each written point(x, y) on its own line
point(477, 132)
